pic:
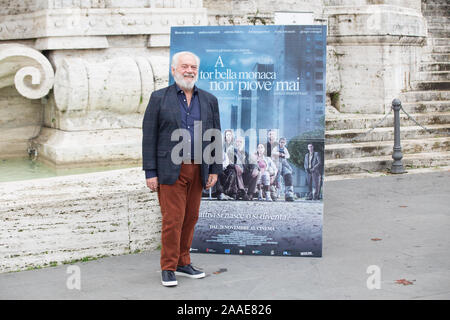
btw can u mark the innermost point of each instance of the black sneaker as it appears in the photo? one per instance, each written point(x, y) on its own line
point(189, 271)
point(168, 278)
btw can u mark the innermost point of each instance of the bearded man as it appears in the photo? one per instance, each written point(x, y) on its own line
point(179, 185)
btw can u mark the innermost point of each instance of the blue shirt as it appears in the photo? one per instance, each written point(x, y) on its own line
point(189, 114)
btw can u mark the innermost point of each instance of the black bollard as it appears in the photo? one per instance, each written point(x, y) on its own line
point(397, 155)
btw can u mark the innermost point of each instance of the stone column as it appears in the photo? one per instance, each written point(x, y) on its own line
point(378, 44)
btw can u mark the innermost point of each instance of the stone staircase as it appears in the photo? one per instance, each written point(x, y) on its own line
point(349, 150)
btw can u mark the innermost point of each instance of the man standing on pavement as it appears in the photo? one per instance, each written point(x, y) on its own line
point(312, 168)
point(180, 107)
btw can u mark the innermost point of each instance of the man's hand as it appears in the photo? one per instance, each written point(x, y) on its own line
point(152, 183)
point(212, 179)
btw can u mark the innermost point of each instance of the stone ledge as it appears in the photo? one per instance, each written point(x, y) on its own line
point(67, 218)
point(383, 134)
point(346, 121)
point(364, 175)
point(370, 40)
point(54, 43)
point(384, 148)
point(98, 22)
point(383, 163)
point(86, 148)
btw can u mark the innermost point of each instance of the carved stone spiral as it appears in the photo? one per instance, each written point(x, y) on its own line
point(26, 68)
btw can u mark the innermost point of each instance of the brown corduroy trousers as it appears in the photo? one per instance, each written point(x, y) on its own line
point(180, 203)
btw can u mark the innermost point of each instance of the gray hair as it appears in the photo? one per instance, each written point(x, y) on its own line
point(177, 55)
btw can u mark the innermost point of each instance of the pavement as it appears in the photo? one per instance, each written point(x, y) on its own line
point(383, 238)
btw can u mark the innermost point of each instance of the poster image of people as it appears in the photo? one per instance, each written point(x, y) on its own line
point(270, 84)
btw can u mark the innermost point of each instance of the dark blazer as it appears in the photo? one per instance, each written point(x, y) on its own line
point(161, 118)
point(315, 163)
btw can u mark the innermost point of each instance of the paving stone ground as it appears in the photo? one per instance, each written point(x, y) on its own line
point(392, 228)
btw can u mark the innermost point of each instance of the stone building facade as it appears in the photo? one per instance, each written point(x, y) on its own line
point(76, 75)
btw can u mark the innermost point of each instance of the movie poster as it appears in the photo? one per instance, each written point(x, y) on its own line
point(270, 84)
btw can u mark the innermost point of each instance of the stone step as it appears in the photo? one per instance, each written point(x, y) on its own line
point(366, 121)
point(436, 6)
point(430, 48)
point(436, 57)
point(385, 134)
point(440, 41)
point(431, 85)
point(414, 96)
point(439, 10)
point(438, 33)
point(434, 2)
point(426, 106)
point(430, 13)
point(383, 163)
point(434, 66)
point(438, 23)
point(441, 49)
point(385, 148)
point(365, 175)
point(434, 76)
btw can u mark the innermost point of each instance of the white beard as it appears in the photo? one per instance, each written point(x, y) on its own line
point(183, 84)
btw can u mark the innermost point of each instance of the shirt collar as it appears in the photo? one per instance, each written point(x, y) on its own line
point(179, 90)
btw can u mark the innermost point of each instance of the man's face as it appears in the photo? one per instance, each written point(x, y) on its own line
point(282, 143)
point(186, 71)
point(310, 148)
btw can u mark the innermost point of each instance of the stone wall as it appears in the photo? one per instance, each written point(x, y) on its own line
point(12, 7)
point(109, 55)
point(413, 4)
point(60, 220)
point(20, 121)
point(231, 12)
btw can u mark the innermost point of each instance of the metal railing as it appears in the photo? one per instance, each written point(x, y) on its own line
point(397, 155)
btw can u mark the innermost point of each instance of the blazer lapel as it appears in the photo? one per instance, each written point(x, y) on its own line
point(173, 104)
